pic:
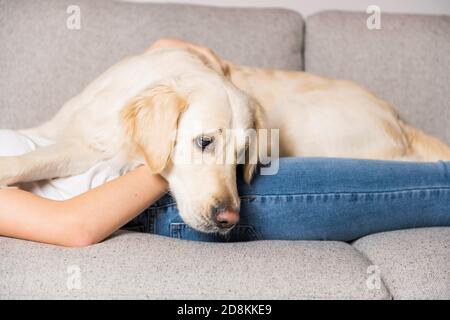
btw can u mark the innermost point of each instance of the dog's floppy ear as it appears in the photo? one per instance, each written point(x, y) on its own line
point(151, 121)
point(259, 123)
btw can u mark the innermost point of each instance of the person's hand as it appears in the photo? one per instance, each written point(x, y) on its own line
point(211, 57)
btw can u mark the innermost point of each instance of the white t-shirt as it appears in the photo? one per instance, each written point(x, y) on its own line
point(14, 143)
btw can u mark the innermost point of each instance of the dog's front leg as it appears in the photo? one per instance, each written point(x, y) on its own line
point(61, 159)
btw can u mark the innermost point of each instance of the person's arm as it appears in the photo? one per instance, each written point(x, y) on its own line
point(83, 220)
point(94, 215)
point(216, 62)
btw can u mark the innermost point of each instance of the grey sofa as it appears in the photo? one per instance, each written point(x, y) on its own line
point(407, 62)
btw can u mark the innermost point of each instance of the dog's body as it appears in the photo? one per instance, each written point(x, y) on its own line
point(130, 112)
point(134, 113)
point(324, 117)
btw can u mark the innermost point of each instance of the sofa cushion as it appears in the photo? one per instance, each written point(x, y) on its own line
point(406, 62)
point(43, 63)
point(135, 265)
point(414, 263)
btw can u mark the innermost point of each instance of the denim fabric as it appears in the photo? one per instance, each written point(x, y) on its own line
point(324, 199)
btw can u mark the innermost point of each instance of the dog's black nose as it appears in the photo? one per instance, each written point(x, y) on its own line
point(226, 219)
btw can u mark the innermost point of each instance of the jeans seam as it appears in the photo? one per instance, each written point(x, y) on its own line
point(175, 230)
point(345, 192)
point(154, 207)
point(151, 216)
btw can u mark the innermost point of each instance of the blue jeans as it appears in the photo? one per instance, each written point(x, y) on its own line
point(324, 199)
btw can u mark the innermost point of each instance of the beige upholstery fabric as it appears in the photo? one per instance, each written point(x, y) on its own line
point(414, 264)
point(406, 62)
point(135, 265)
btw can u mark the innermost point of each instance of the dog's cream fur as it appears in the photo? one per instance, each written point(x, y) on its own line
point(318, 116)
point(132, 111)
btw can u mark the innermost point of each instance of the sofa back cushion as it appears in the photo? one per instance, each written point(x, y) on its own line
point(43, 63)
point(406, 62)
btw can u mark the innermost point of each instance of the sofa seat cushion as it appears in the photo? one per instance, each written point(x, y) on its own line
point(136, 265)
point(413, 263)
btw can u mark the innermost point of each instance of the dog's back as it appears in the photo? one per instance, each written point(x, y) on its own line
point(319, 116)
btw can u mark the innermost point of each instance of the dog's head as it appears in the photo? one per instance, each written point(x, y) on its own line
point(194, 129)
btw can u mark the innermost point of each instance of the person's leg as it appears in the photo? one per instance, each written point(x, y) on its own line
point(329, 199)
point(342, 199)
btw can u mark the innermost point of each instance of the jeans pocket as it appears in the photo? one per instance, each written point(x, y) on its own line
point(238, 234)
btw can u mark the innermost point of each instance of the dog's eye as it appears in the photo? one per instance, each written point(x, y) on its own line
point(204, 141)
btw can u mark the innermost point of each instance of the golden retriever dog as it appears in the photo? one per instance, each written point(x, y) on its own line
point(152, 107)
point(148, 109)
point(323, 117)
